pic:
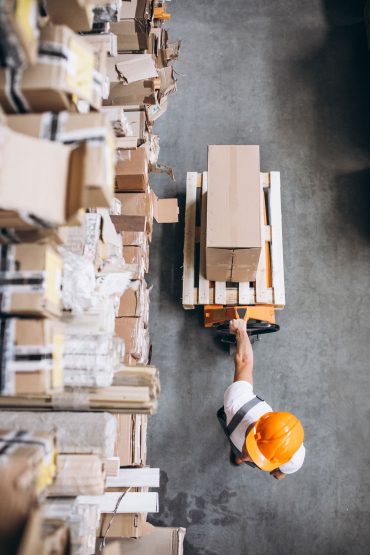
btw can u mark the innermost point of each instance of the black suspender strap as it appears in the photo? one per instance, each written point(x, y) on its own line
point(238, 416)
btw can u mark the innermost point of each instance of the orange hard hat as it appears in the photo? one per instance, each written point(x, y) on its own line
point(274, 439)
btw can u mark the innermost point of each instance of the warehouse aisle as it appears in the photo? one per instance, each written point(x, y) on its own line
point(292, 77)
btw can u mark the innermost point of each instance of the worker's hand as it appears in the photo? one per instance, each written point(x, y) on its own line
point(277, 474)
point(238, 326)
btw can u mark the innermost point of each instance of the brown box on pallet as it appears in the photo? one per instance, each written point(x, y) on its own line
point(39, 267)
point(64, 72)
point(132, 35)
point(133, 174)
point(233, 237)
point(38, 357)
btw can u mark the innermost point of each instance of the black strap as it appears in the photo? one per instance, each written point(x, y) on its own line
point(238, 416)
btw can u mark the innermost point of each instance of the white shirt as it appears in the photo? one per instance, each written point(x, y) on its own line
point(236, 395)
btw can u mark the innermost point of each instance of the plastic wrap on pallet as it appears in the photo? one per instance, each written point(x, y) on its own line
point(91, 360)
point(78, 474)
point(82, 519)
point(112, 283)
point(98, 319)
point(76, 432)
point(115, 207)
point(78, 282)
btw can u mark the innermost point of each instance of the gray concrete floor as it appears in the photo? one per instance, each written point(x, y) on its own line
point(292, 77)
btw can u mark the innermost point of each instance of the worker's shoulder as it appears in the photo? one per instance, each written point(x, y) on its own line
point(239, 391)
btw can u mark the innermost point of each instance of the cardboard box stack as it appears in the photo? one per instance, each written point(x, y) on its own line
point(81, 86)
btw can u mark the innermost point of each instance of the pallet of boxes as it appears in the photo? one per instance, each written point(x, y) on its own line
point(80, 88)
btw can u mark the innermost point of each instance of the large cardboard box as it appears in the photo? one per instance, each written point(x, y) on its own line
point(132, 35)
point(96, 156)
point(38, 358)
point(26, 468)
point(132, 80)
point(134, 206)
point(133, 174)
point(63, 74)
point(28, 194)
point(233, 236)
point(76, 14)
point(135, 301)
point(31, 279)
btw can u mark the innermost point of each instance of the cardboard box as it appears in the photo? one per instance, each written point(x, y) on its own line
point(135, 206)
point(31, 280)
point(133, 174)
point(132, 331)
point(123, 525)
point(156, 541)
point(128, 85)
point(135, 301)
point(19, 32)
point(233, 236)
point(132, 35)
point(136, 9)
point(135, 257)
point(27, 193)
point(64, 72)
point(96, 156)
point(37, 360)
point(26, 468)
point(76, 14)
point(131, 445)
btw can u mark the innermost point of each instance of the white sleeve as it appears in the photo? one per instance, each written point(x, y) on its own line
point(237, 394)
point(295, 462)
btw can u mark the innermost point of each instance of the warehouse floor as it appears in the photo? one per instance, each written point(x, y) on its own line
point(292, 77)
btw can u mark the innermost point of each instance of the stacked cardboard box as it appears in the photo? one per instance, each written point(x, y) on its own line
point(76, 223)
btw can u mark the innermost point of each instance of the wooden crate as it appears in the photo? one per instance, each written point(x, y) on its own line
point(269, 286)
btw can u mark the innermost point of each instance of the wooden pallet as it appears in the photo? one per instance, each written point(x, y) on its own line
point(269, 286)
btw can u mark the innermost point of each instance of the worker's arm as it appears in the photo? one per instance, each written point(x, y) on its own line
point(278, 474)
point(244, 352)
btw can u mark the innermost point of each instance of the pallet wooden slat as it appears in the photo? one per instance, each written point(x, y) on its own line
point(263, 293)
point(277, 258)
point(245, 294)
point(220, 292)
point(189, 241)
point(203, 292)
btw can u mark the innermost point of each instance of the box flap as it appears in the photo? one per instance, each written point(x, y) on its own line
point(166, 210)
point(136, 67)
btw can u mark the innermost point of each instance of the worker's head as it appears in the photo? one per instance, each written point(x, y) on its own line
point(274, 439)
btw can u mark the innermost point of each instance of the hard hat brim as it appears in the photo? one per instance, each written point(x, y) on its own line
point(255, 454)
